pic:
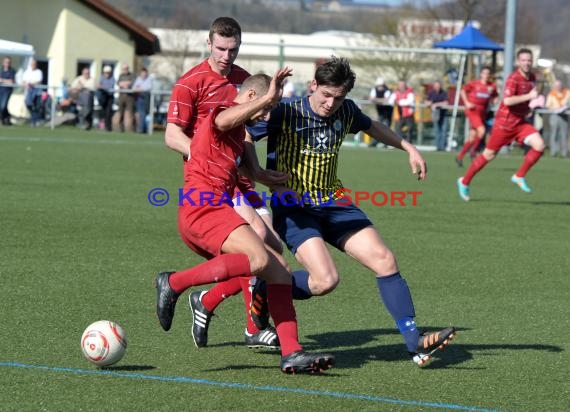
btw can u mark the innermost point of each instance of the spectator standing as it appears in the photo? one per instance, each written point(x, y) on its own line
point(558, 100)
point(7, 77)
point(142, 87)
point(83, 88)
point(404, 100)
point(105, 96)
point(380, 96)
point(32, 78)
point(437, 99)
point(125, 113)
point(289, 89)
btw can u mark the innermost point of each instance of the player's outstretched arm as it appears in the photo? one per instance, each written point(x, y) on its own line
point(417, 162)
point(385, 135)
point(251, 102)
point(511, 100)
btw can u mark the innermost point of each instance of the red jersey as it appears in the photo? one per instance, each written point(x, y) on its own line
point(198, 92)
point(516, 85)
point(480, 94)
point(408, 109)
point(215, 158)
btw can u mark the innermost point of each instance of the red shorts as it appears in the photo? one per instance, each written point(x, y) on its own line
point(504, 135)
point(476, 118)
point(205, 228)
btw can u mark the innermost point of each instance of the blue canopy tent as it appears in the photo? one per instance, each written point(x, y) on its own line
point(470, 38)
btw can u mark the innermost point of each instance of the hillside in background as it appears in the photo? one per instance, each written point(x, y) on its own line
point(546, 25)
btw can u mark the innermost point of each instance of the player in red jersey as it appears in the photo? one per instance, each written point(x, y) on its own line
point(213, 82)
point(477, 95)
point(214, 230)
point(511, 125)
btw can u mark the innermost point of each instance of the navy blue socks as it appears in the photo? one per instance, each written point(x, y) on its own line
point(398, 300)
point(300, 285)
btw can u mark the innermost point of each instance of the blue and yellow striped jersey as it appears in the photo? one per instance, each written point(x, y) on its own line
point(307, 145)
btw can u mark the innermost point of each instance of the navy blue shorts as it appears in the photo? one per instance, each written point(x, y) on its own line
point(296, 224)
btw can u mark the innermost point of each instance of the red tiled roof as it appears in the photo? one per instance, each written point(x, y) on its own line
point(146, 43)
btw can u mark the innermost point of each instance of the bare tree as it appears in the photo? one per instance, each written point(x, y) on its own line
point(398, 64)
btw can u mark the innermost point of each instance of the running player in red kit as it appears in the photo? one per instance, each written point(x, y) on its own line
point(510, 125)
point(476, 95)
point(210, 226)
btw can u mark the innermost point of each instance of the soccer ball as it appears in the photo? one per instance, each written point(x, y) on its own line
point(103, 343)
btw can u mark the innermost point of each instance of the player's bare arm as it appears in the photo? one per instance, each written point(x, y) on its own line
point(237, 115)
point(266, 177)
point(251, 168)
point(513, 100)
point(385, 135)
point(249, 154)
point(176, 139)
point(468, 104)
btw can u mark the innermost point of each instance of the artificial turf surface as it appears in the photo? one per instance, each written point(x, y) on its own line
point(80, 242)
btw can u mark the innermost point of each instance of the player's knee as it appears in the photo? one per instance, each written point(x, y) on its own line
point(489, 154)
point(258, 262)
point(324, 284)
point(386, 262)
point(539, 146)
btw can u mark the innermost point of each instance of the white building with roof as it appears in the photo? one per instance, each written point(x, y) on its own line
point(264, 52)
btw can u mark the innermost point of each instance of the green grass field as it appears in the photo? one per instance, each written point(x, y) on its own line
point(80, 242)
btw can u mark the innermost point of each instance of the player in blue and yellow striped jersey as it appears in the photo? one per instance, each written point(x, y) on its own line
point(304, 139)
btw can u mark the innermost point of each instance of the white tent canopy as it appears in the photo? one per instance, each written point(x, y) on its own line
point(12, 48)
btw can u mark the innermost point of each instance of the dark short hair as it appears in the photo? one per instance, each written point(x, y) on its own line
point(487, 68)
point(336, 72)
point(524, 50)
point(225, 27)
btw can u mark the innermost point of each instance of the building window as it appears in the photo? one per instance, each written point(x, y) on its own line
point(43, 65)
point(81, 64)
point(112, 63)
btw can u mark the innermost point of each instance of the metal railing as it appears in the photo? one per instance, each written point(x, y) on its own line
point(158, 108)
point(460, 133)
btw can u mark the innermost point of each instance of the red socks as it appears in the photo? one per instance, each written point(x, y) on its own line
point(530, 159)
point(218, 269)
point(464, 150)
point(477, 164)
point(231, 287)
point(475, 146)
point(283, 314)
point(213, 297)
